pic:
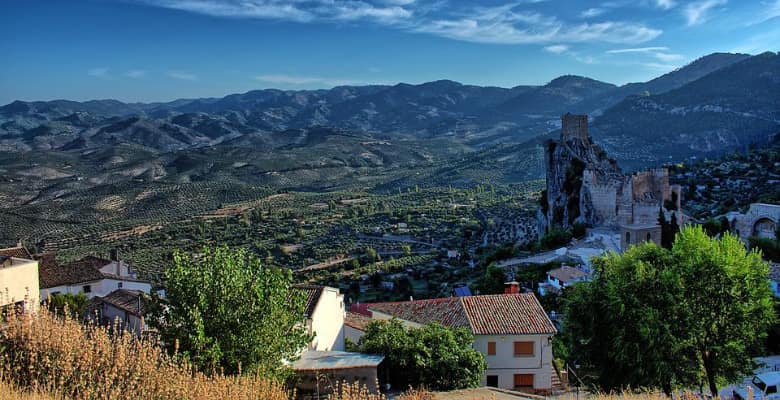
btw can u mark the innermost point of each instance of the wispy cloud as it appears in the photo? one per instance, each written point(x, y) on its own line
point(666, 4)
point(592, 12)
point(556, 48)
point(660, 53)
point(510, 23)
point(182, 75)
point(698, 12)
point(100, 72)
point(135, 73)
point(300, 80)
point(637, 50)
point(772, 11)
point(299, 11)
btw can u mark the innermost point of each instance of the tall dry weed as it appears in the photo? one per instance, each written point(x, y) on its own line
point(60, 356)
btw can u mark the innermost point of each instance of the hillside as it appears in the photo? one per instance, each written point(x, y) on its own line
point(725, 110)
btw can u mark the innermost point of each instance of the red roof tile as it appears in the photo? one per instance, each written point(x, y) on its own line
point(313, 293)
point(447, 311)
point(16, 252)
point(357, 321)
point(501, 314)
point(507, 314)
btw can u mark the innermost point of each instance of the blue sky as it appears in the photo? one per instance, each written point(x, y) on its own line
point(160, 50)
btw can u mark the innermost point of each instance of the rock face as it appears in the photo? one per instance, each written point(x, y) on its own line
point(585, 186)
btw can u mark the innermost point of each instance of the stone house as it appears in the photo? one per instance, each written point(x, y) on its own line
point(122, 306)
point(633, 234)
point(512, 330)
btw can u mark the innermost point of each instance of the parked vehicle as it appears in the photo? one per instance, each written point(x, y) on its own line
point(765, 386)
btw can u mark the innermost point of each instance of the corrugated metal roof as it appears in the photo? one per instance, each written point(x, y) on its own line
point(334, 360)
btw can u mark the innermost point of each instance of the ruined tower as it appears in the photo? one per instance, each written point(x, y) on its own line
point(574, 127)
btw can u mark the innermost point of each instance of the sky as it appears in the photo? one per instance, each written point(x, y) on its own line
point(161, 50)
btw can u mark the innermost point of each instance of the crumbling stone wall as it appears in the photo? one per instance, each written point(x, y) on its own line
point(583, 185)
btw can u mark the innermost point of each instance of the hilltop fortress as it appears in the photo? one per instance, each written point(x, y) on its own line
point(585, 186)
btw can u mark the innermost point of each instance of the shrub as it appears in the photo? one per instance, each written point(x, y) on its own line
point(554, 238)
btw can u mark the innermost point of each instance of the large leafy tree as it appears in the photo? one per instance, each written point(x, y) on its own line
point(727, 301)
point(623, 325)
point(433, 356)
point(225, 310)
point(653, 317)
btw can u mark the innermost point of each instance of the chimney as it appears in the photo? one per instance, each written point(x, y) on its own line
point(511, 287)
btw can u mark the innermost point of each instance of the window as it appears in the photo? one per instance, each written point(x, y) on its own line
point(492, 381)
point(524, 349)
point(119, 285)
point(87, 289)
point(491, 348)
point(649, 237)
point(524, 380)
point(628, 237)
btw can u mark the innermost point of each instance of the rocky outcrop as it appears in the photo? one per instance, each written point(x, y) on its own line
point(585, 186)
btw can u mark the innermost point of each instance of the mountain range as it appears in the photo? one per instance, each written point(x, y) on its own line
point(715, 104)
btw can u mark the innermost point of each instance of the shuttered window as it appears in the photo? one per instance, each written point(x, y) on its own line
point(524, 349)
point(524, 380)
point(491, 348)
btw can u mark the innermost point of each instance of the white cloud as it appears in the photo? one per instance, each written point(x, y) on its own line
point(511, 23)
point(697, 13)
point(135, 73)
point(592, 12)
point(665, 4)
point(185, 76)
point(505, 25)
point(660, 53)
point(637, 50)
point(299, 80)
point(100, 72)
point(557, 48)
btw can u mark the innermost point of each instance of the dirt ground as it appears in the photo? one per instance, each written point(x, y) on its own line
point(477, 394)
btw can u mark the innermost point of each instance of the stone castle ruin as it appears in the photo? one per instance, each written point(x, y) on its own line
point(585, 186)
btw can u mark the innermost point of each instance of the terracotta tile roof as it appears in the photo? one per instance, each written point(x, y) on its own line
point(16, 252)
point(447, 311)
point(501, 314)
point(566, 273)
point(126, 300)
point(507, 314)
point(357, 321)
point(313, 293)
point(52, 274)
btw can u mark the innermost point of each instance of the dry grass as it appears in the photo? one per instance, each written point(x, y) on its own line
point(61, 357)
point(43, 357)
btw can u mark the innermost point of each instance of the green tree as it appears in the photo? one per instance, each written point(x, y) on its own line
point(76, 304)
point(224, 310)
point(623, 326)
point(727, 302)
point(434, 356)
point(493, 281)
point(653, 317)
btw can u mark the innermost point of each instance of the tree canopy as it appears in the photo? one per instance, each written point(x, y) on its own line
point(653, 317)
point(225, 310)
point(434, 356)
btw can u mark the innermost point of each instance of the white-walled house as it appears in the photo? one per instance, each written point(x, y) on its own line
point(512, 330)
point(93, 276)
point(324, 317)
point(18, 281)
point(560, 278)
